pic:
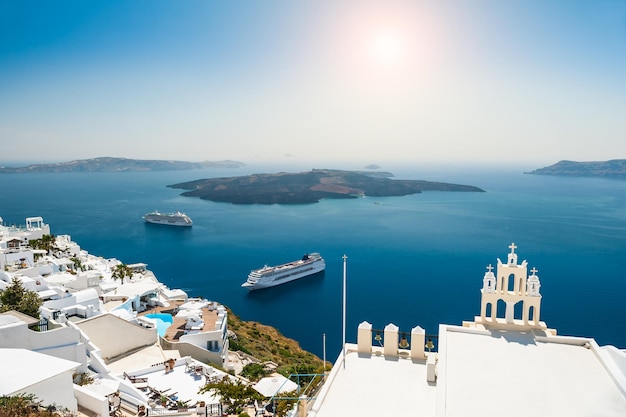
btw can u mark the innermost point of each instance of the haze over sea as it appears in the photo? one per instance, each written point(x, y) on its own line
point(413, 260)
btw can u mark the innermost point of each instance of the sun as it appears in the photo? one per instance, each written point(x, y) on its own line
point(388, 47)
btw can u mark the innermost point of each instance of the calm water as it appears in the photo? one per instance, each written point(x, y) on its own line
point(414, 260)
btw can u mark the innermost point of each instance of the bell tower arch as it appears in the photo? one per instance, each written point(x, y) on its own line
point(509, 287)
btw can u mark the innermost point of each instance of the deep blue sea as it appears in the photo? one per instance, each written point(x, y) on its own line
point(413, 260)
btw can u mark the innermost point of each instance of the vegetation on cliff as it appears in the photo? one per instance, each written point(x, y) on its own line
point(267, 344)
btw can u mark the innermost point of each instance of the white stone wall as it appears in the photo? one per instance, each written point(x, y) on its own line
point(98, 404)
point(57, 390)
point(63, 342)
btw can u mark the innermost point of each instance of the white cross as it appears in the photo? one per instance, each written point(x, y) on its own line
point(490, 268)
point(513, 247)
point(534, 270)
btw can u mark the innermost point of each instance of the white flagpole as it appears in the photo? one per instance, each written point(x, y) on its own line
point(324, 350)
point(344, 310)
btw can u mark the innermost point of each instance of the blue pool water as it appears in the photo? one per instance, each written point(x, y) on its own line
point(163, 321)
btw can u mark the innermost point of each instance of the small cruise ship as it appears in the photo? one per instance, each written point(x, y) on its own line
point(170, 219)
point(270, 276)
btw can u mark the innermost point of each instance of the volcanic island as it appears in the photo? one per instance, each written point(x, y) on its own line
point(309, 187)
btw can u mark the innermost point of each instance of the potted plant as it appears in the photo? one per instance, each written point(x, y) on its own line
point(164, 400)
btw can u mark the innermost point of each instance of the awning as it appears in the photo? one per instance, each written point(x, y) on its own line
point(274, 384)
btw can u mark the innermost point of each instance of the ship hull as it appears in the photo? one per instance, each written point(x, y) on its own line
point(261, 278)
point(175, 219)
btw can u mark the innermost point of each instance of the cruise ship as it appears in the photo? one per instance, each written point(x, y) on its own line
point(171, 219)
point(270, 276)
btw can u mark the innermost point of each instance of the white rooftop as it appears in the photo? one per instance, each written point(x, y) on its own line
point(182, 383)
point(372, 385)
point(18, 364)
point(496, 370)
point(194, 305)
point(479, 373)
point(60, 278)
point(141, 359)
point(140, 288)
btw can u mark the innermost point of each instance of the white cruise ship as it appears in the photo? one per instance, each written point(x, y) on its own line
point(270, 276)
point(171, 219)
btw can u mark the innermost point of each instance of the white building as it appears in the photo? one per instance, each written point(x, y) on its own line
point(63, 342)
point(499, 364)
point(49, 379)
point(14, 250)
point(204, 336)
point(92, 325)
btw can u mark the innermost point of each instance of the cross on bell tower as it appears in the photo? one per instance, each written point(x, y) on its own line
point(512, 255)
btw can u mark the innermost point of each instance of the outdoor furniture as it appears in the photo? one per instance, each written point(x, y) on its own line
point(135, 379)
point(114, 404)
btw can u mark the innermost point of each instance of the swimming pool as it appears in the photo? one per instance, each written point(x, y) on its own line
point(163, 321)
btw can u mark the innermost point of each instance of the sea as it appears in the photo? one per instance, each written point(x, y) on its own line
point(416, 260)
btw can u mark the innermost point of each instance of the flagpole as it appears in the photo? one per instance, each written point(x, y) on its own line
point(344, 311)
point(324, 350)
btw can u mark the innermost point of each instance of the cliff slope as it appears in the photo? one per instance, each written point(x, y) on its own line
point(108, 164)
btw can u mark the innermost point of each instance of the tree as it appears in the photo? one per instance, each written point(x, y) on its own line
point(26, 405)
point(235, 395)
point(121, 271)
point(78, 265)
point(306, 373)
point(283, 405)
point(253, 371)
point(16, 297)
point(46, 242)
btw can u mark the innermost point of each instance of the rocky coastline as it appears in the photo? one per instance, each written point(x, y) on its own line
point(109, 164)
point(615, 168)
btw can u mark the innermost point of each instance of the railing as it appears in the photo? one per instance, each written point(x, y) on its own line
point(310, 391)
point(210, 410)
point(405, 337)
point(42, 326)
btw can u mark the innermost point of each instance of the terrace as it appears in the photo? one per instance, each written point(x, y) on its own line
point(179, 324)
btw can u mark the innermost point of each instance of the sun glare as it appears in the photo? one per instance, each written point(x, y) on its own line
point(388, 47)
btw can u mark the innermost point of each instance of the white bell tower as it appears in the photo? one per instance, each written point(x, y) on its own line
point(509, 287)
point(489, 281)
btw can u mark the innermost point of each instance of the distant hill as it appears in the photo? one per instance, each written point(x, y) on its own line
point(108, 164)
point(308, 187)
point(615, 168)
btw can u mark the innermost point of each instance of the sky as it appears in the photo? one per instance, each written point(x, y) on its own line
point(371, 82)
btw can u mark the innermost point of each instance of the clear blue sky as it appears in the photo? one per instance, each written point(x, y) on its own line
point(531, 81)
